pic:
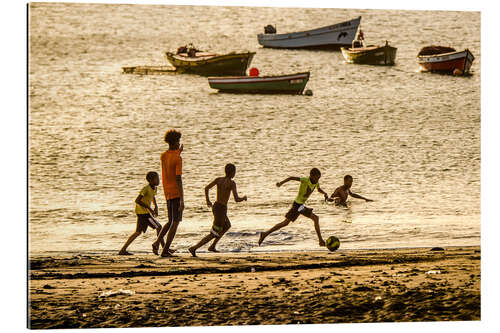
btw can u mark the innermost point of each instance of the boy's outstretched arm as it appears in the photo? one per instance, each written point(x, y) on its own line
point(334, 194)
point(138, 201)
point(357, 196)
point(235, 194)
point(287, 180)
point(207, 188)
point(323, 192)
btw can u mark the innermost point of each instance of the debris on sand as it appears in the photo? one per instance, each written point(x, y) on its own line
point(118, 292)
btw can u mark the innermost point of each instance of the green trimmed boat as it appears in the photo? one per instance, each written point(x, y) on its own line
point(279, 84)
point(370, 55)
point(208, 64)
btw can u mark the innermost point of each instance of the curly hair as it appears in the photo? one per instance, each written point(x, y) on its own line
point(172, 136)
point(151, 175)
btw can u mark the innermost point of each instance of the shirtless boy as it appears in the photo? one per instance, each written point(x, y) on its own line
point(339, 196)
point(221, 224)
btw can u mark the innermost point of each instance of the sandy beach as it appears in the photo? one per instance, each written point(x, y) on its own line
point(400, 285)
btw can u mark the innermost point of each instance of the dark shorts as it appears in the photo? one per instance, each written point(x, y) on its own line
point(221, 220)
point(144, 221)
point(174, 213)
point(298, 209)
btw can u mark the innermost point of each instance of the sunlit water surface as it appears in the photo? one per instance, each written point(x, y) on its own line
point(411, 140)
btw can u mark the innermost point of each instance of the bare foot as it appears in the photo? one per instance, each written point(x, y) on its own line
point(212, 249)
point(155, 248)
point(165, 254)
point(261, 238)
point(193, 251)
point(125, 253)
point(171, 251)
point(322, 243)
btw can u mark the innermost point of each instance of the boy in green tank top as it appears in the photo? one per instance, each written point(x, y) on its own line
point(307, 186)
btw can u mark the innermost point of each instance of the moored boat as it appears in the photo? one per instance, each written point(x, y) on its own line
point(147, 70)
point(207, 64)
point(277, 84)
point(332, 36)
point(370, 55)
point(445, 60)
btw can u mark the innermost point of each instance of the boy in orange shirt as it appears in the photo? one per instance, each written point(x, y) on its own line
point(171, 171)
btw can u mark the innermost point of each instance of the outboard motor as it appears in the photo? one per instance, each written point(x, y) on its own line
point(269, 29)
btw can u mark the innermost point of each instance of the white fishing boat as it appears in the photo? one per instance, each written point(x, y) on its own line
point(332, 36)
point(275, 84)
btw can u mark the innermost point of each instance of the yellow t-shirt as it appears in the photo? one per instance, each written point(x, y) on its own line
point(305, 190)
point(147, 196)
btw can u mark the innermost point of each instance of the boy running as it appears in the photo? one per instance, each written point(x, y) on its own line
point(225, 185)
point(339, 196)
point(143, 210)
point(171, 172)
point(307, 186)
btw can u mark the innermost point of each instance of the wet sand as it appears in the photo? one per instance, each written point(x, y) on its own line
point(255, 288)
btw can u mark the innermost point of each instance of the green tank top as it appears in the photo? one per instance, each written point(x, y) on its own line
point(305, 190)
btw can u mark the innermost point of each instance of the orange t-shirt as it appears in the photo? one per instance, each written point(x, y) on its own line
point(171, 166)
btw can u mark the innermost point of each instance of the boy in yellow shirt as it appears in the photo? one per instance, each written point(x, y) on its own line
point(144, 211)
point(307, 186)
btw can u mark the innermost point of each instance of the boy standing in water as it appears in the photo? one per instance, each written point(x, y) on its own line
point(171, 172)
point(339, 196)
point(307, 186)
point(225, 185)
point(144, 211)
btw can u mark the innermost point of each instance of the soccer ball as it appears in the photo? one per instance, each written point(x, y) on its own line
point(332, 243)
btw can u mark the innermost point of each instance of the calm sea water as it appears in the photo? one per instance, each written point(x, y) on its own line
point(411, 140)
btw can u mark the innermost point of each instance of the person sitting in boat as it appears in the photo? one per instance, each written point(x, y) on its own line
point(182, 49)
point(191, 52)
point(189, 49)
point(358, 42)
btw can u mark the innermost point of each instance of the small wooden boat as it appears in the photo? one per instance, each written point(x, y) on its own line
point(332, 36)
point(206, 64)
point(148, 70)
point(370, 55)
point(445, 60)
point(278, 84)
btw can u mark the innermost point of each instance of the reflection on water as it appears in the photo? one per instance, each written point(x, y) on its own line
point(411, 140)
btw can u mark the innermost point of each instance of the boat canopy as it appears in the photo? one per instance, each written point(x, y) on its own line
point(434, 49)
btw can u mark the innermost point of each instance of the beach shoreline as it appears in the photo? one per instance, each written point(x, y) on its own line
point(373, 285)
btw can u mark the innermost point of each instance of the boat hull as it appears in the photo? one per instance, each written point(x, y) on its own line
point(281, 84)
point(383, 55)
point(447, 62)
point(216, 65)
point(333, 36)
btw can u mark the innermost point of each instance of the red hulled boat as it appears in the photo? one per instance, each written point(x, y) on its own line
point(449, 61)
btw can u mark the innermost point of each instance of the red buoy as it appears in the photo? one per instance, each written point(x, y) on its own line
point(254, 71)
